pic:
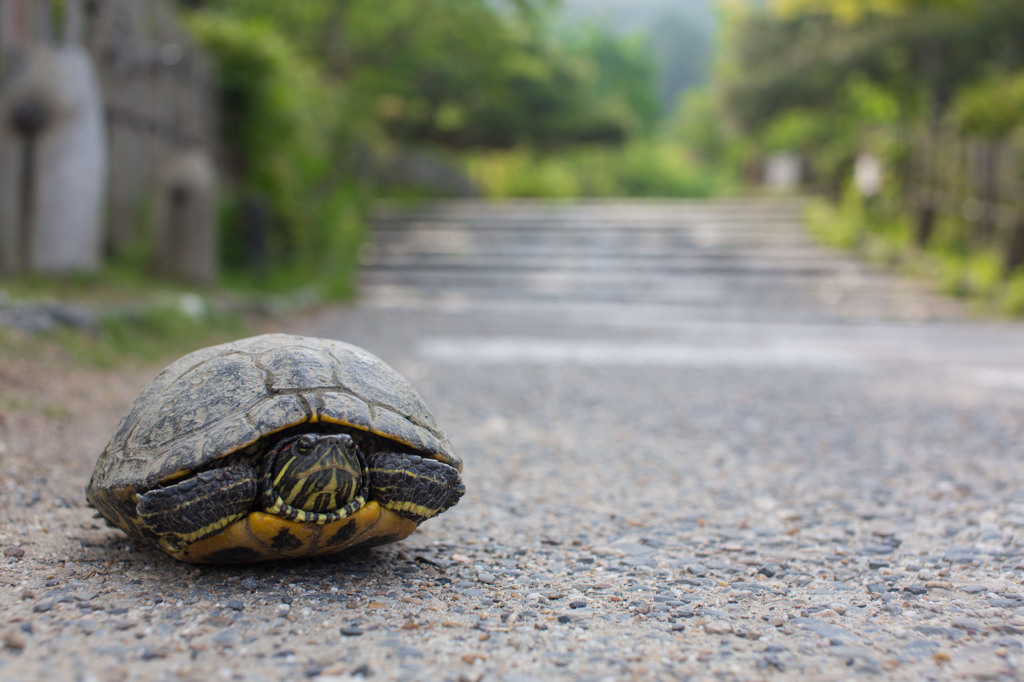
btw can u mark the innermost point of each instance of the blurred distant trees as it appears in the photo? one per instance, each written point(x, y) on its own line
point(311, 89)
point(460, 72)
point(845, 67)
point(929, 87)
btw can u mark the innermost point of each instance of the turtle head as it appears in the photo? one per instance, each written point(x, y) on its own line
point(312, 474)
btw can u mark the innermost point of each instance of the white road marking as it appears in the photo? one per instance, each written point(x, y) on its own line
point(586, 352)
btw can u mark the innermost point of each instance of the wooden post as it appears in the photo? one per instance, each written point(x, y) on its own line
point(925, 225)
point(926, 189)
point(1014, 257)
point(1011, 192)
point(985, 192)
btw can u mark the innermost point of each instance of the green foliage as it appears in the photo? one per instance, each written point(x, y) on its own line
point(991, 108)
point(831, 79)
point(842, 229)
point(643, 168)
point(853, 11)
point(866, 227)
point(683, 51)
point(468, 73)
point(280, 128)
point(474, 80)
point(620, 85)
point(698, 123)
point(975, 274)
point(1012, 301)
point(921, 56)
point(318, 94)
point(884, 236)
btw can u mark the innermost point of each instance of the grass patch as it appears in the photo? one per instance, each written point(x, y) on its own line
point(30, 406)
point(1013, 295)
point(112, 285)
point(126, 326)
point(151, 333)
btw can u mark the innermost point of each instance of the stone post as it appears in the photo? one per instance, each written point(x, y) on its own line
point(53, 164)
point(186, 218)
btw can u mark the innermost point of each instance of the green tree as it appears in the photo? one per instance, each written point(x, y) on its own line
point(313, 88)
point(921, 53)
point(993, 107)
point(284, 215)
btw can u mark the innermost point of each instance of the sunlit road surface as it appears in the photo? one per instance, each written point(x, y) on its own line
point(662, 283)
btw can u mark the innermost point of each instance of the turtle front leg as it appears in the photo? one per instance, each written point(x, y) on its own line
point(199, 506)
point(414, 487)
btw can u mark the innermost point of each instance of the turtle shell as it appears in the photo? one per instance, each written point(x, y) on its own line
point(225, 399)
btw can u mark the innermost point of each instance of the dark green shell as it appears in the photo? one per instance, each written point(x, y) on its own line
point(222, 399)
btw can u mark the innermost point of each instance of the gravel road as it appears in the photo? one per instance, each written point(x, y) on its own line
point(697, 447)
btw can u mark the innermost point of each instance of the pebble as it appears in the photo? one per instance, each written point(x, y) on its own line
point(225, 638)
point(961, 555)
point(717, 628)
point(14, 640)
point(937, 631)
point(88, 626)
point(877, 549)
point(826, 630)
point(921, 648)
point(151, 654)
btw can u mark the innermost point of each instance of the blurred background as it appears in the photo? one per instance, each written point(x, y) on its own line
point(241, 143)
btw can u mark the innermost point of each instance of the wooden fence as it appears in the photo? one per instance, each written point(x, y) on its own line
point(977, 182)
point(158, 98)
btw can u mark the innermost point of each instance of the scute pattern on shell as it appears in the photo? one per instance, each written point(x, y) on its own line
point(219, 400)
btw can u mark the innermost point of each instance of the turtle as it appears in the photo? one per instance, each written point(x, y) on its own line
point(275, 446)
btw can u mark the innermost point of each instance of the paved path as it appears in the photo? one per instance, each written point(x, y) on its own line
point(697, 447)
point(676, 284)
